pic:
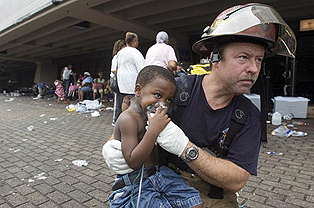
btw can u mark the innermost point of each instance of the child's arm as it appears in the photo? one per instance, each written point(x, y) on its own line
point(135, 152)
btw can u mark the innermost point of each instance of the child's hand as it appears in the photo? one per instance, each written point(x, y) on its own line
point(159, 121)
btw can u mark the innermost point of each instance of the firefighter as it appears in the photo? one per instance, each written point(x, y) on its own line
point(237, 42)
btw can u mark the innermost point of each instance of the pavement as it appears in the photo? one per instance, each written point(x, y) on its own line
point(37, 170)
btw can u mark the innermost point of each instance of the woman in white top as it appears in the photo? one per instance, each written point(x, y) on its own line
point(162, 54)
point(118, 98)
point(130, 62)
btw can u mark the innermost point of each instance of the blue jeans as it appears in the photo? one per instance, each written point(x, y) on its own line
point(163, 189)
point(66, 85)
point(118, 99)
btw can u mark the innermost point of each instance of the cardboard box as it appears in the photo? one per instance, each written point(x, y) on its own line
point(255, 99)
point(295, 105)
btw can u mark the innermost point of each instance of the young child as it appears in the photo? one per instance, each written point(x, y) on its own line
point(60, 91)
point(73, 88)
point(164, 187)
point(98, 86)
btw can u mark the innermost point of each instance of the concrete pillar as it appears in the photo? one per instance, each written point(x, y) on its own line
point(46, 71)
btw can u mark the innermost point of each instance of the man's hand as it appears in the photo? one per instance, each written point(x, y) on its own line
point(112, 154)
point(173, 139)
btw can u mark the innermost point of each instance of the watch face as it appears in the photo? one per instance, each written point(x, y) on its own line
point(192, 154)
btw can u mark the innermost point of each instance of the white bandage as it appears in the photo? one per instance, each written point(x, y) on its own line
point(173, 139)
point(113, 156)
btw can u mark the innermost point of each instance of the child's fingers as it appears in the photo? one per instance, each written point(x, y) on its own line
point(148, 116)
point(160, 110)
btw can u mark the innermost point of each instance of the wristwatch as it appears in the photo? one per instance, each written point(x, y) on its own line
point(191, 154)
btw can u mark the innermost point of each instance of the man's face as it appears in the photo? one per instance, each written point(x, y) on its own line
point(240, 66)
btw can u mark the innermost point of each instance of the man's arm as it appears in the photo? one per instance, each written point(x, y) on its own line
point(217, 171)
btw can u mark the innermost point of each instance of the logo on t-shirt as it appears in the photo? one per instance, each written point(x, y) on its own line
point(223, 137)
point(184, 96)
point(239, 113)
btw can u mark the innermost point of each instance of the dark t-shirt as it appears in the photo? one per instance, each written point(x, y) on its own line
point(207, 127)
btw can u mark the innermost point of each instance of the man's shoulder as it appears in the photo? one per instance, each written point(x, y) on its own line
point(249, 109)
point(188, 80)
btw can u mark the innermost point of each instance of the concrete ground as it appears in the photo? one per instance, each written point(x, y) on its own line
point(36, 168)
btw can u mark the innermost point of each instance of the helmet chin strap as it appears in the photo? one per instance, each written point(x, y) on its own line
point(215, 56)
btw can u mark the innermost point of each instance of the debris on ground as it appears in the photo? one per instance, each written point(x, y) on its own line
point(80, 163)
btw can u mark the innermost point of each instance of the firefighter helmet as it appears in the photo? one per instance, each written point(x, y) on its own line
point(255, 22)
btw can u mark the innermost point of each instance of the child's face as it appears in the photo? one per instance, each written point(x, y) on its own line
point(159, 90)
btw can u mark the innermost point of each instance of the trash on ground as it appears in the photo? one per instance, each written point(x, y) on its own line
point(11, 99)
point(59, 160)
point(70, 107)
point(86, 106)
point(16, 94)
point(92, 104)
point(80, 163)
point(288, 117)
point(31, 180)
point(271, 153)
point(40, 176)
point(9, 110)
point(109, 108)
point(42, 115)
point(30, 128)
point(14, 150)
point(95, 114)
point(282, 131)
point(53, 119)
point(299, 123)
point(298, 133)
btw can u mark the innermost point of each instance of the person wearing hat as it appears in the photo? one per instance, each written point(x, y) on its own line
point(162, 54)
point(237, 43)
point(86, 86)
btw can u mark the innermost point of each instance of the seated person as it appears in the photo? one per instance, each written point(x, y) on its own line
point(98, 86)
point(43, 90)
point(73, 88)
point(108, 94)
point(86, 86)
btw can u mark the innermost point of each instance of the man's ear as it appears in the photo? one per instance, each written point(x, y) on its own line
point(138, 90)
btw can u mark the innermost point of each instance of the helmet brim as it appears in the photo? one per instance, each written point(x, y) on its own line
point(204, 46)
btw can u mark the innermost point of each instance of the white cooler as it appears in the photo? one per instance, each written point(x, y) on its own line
point(295, 105)
point(255, 99)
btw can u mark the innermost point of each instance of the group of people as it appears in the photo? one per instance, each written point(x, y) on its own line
point(128, 61)
point(71, 86)
point(207, 133)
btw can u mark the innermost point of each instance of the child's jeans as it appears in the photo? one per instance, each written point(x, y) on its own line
point(163, 189)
